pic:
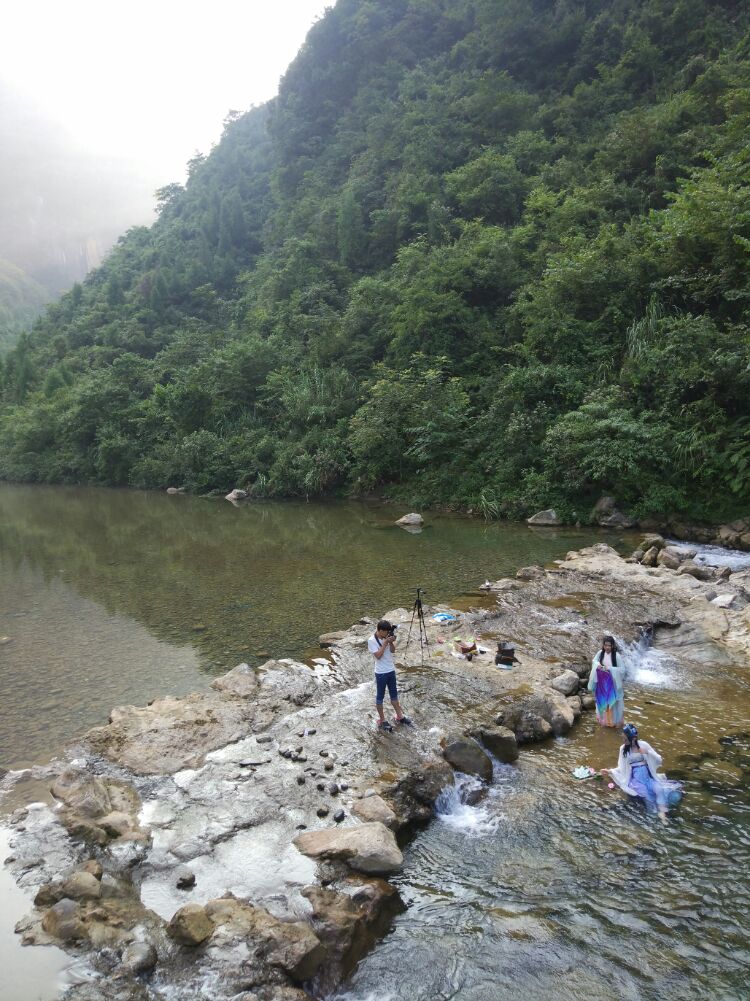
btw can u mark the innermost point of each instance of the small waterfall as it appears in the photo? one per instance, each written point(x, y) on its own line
point(647, 665)
point(714, 556)
point(459, 807)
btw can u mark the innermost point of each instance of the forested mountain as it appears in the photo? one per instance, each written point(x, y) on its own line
point(483, 252)
point(21, 301)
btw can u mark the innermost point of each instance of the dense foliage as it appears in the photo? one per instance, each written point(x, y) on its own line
point(21, 301)
point(484, 252)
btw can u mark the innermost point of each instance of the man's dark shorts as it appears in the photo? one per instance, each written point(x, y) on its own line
point(383, 680)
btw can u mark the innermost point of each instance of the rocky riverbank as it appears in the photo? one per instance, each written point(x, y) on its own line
point(239, 841)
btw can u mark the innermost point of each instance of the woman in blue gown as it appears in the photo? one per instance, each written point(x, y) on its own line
point(637, 774)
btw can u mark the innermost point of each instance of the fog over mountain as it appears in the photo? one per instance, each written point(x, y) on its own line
point(61, 208)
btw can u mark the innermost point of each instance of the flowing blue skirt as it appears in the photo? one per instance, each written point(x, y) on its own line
point(657, 795)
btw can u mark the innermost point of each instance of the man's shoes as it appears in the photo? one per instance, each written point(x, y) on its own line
point(403, 721)
point(383, 724)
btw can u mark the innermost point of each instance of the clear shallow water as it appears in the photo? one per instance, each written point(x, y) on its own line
point(112, 597)
point(552, 888)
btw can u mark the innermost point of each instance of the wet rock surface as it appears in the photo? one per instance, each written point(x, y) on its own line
point(220, 785)
point(367, 848)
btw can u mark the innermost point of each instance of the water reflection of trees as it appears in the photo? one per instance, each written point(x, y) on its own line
point(260, 577)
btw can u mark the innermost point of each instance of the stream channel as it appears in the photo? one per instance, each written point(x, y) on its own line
point(550, 887)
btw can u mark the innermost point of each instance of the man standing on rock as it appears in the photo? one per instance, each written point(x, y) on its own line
point(382, 645)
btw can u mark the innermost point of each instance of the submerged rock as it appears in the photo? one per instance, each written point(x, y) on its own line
point(140, 957)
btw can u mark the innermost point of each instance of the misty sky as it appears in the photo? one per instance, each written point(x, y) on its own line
point(150, 81)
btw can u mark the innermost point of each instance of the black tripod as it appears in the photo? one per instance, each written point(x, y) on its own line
point(418, 614)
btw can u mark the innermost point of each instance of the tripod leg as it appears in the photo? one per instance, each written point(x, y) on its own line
point(423, 641)
point(408, 635)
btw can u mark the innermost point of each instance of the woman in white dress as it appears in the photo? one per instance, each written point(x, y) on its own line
point(638, 774)
point(605, 681)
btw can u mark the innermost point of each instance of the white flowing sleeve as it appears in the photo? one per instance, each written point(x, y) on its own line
point(621, 774)
point(654, 758)
point(592, 677)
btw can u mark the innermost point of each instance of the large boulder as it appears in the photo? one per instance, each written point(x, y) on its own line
point(190, 925)
point(574, 701)
point(653, 539)
point(369, 848)
point(650, 557)
point(291, 946)
point(544, 519)
point(530, 573)
point(465, 755)
point(603, 507)
point(241, 681)
point(294, 947)
point(82, 792)
point(669, 558)
point(374, 809)
point(567, 682)
point(561, 717)
point(500, 741)
point(413, 795)
point(348, 923)
point(617, 520)
point(331, 639)
point(236, 495)
point(139, 957)
point(63, 921)
point(539, 716)
point(82, 886)
point(697, 570)
point(411, 519)
point(289, 681)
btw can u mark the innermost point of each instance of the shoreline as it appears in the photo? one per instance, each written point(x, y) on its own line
point(734, 534)
point(133, 797)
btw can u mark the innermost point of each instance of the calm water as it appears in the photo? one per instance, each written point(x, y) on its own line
point(112, 597)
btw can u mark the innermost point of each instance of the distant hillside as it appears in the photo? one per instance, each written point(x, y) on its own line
point(489, 253)
point(21, 302)
point(61, 209)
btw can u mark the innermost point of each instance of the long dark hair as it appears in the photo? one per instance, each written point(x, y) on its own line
point(609, 639)
point(631, 739)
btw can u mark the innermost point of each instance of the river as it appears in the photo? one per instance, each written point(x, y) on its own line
point(552, 887)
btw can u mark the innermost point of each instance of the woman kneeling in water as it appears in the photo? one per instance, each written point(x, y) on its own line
point(637, 774)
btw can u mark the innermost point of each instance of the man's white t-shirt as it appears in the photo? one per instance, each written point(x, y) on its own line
point(385, 664)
